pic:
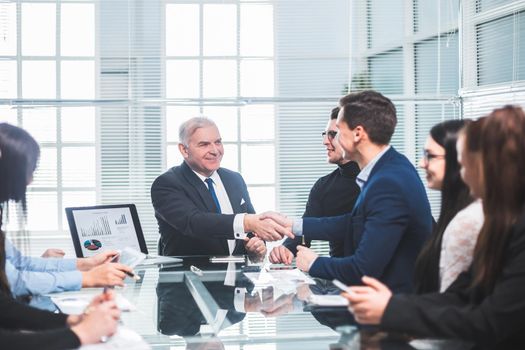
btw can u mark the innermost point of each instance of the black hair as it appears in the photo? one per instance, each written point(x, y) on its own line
point(455, 196)
point(19, 153)
point(334, 113)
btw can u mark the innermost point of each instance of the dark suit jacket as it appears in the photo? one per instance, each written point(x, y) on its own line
point(384, 233)
point(185, 212)
point(492, 319)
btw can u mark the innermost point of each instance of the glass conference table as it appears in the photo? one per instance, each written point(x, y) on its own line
point(180, 307)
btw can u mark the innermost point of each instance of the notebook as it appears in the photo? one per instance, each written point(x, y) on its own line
point(102, 227)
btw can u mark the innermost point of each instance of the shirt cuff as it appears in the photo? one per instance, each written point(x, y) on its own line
point(73, 280)
point(297, 227)
point(69, 264)
point(238, 226)
point(313, 261)
point(238, 299)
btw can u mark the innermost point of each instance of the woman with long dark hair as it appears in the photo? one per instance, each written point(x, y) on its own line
point(448, 252)
point(19, 155)
point(484, 305)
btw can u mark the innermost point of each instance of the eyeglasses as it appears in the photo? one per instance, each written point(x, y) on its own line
point(331, 134)
point(427, 156)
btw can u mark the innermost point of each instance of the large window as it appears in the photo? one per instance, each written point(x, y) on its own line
point(408, 50)
point(493, 55)
point(47, 49)
point(218, 58)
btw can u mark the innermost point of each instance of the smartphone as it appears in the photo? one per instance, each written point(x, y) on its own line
point(342, 286)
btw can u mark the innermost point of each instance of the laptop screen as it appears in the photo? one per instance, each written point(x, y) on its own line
point(104, 227)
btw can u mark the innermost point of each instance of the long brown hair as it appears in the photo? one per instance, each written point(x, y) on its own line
point(501, 139)
point(19, 153)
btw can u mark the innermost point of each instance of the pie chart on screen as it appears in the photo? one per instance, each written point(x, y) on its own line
point(92, 244)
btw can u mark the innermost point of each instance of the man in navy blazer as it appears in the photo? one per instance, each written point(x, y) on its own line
point(203, 209)
point(391, 218)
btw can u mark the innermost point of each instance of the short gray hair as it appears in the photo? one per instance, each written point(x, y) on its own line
point(189, 127)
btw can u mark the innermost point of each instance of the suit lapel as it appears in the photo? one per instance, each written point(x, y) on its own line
point(199, 186)
point(384, 159)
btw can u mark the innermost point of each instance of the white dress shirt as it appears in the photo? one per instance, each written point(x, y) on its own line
point(226, 208)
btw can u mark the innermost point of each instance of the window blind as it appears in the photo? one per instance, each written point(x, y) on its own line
point(493, 55)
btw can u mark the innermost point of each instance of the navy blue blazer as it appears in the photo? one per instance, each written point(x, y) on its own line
point(185, 212)
point(384, 233)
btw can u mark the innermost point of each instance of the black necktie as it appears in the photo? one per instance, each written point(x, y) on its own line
point(213, 194)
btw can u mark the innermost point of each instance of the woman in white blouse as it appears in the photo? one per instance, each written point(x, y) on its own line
point(449, 250)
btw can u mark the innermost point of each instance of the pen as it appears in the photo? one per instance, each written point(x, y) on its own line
point(302, 240)
point(132, 275)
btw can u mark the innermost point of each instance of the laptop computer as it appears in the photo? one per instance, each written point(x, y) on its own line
point(102, 227)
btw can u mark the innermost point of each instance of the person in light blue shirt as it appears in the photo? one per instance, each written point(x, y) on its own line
point(35, 275)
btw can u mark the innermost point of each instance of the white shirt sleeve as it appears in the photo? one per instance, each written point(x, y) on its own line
point(238, 226)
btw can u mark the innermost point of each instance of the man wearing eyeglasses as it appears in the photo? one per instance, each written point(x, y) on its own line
point(333, 194)
point(391, 219)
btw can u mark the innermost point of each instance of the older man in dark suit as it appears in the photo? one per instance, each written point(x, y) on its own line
point(203, 209)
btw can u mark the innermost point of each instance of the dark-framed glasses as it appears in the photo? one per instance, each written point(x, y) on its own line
point(427, 156)
point(331, 134)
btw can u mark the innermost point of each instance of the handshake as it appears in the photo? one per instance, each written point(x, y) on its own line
point(268, 226)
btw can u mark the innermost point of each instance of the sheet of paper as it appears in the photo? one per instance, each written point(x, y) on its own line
point(76, 303)
point(278, 277)
point(131, 257)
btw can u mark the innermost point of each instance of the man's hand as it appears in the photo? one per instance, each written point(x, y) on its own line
point(110, 274)
point(305, 258)
point(281, 306)
point(255, 246)
point(86, 264)
point(303, 292)
point(280, 219)
point(368, 302)
point(255, 302)
point(53, 253)
point(267, 229)
point(281, 255)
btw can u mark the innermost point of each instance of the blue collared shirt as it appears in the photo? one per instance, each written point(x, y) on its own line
point(364, 174)
point(361, 179)
point(31, 275)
